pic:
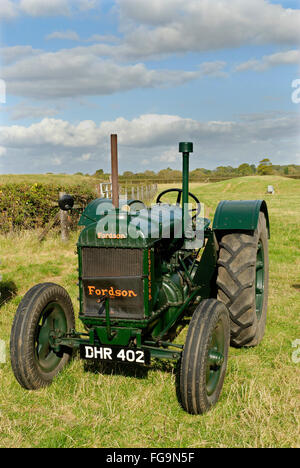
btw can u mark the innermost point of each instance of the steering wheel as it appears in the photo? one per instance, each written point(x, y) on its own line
point(178, 201)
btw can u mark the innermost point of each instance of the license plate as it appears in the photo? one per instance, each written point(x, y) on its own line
point(115, 354)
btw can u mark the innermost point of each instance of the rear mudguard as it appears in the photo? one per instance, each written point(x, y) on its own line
point(239, 215)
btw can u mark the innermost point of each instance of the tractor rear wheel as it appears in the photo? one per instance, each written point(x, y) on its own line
point(243, 276)
point(204, 358)
point(44, 311)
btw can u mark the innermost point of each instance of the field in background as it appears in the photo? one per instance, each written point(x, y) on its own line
point(259, 405)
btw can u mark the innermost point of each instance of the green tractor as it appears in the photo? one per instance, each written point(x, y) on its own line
point(145, 273)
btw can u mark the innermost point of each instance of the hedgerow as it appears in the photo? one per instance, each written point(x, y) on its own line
point(24, 206)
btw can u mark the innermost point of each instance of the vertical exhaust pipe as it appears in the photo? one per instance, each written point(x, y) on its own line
point(114, 171)
point(185, 149)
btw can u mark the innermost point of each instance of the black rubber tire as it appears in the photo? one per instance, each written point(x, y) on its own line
point(236, 283)
point(23, 335)
point(193, 394)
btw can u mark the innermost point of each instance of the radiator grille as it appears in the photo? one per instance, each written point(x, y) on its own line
point(103, 263)
point(116, 273)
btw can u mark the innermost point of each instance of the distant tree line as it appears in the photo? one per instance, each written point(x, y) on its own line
point(265, 167)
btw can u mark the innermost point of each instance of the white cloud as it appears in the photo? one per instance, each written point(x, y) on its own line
point(149, 141)
point(81, 72)
point(38, 8)
point(63, 35)
point(290, 57)
point(3, 151)
point(8, 10)
point(86, 157)
point(45, 8)
point(56, 161)
point(86, 5)
point(148, 130)
point(12, 54)
point(26, 111)
point(172, 26)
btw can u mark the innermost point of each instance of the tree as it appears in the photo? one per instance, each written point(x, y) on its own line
point(196, 174)
point(265, 167)
point(128, 175)
point(99, 173)
point(244, 170)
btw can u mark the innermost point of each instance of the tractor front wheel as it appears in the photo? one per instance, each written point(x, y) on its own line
point(45, 311)
point(204, 358)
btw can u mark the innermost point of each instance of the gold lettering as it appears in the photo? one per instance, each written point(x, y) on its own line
point(131, 293)
point(111, 292)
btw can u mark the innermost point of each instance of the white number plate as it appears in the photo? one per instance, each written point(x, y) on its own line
point(114, 353)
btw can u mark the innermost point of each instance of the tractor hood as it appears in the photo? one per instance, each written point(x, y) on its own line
point(132, 225)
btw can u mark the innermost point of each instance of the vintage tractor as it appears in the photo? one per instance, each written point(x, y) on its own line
point(145, 273)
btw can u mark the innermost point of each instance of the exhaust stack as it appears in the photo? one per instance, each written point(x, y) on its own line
point(185, 149)
point(114, 171)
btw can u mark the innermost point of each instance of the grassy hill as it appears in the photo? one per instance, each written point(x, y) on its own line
point(259, 405)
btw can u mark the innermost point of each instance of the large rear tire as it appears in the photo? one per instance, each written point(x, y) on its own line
point(46, 309)
point(243, 277)
point(204, 358)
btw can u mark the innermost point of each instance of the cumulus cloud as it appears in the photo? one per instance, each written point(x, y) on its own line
point(81, 72)
point(156, 27)
point(38, 8)
point(45, 8)
point(8, 10)
point(26, 111)
point(63, 35)
point(290, 57)
point(12, 54)
point(3, 151)
point(148, 130)
point(151, 137)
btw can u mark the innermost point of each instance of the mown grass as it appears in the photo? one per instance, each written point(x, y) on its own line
point(259, 405)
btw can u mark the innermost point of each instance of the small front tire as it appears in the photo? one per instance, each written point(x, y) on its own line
point(45, 310)
point(204, 358)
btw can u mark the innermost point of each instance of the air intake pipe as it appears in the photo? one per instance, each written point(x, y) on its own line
point(185, 149)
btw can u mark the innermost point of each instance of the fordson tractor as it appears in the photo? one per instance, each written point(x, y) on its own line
point(144, 274)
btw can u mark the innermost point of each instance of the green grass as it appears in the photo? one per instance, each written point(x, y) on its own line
point(259, 405)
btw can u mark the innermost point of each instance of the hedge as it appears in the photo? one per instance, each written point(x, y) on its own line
point(24, 206)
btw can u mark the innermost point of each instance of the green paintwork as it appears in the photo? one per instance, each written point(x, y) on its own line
point(259, 280)
point(141, 230)
point(186, 147)
point(215, 358)
point(52, 319)
point(239, 215)
point(94, 211)
point(175, 276)
point(118, 336)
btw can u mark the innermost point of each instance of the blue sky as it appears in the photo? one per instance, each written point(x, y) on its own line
point(215, 72)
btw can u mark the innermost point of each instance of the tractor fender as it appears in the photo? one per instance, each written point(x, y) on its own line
point(241, 215)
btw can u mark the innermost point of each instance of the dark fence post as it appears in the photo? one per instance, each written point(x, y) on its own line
point(64, 224)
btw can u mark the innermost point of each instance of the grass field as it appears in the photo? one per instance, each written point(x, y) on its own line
point(260, 402)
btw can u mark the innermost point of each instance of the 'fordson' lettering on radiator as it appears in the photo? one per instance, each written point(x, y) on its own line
point(103, 235)
point(112, 292)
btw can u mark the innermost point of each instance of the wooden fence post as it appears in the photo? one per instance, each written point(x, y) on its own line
point(64, 224)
